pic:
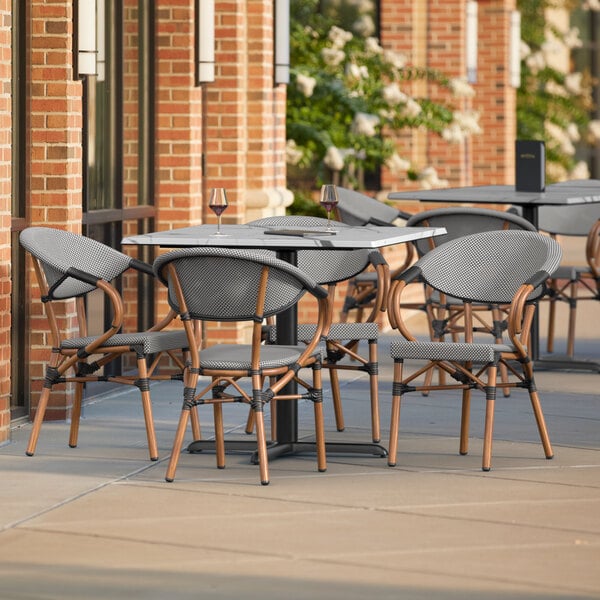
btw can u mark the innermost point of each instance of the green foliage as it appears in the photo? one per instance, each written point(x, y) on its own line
point(342, 115)
point(553, 105)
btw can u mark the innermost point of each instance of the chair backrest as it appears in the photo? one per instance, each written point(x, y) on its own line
point(60, 251)
point(490, 266)
point(325, 267)
point(355, 208)
point(575, 219)
point(461, 221)
point(222, 284)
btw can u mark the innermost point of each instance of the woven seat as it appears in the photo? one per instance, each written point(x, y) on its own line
point(497, 267)
point(70, 266)
point(342, 339)
point(263, 287)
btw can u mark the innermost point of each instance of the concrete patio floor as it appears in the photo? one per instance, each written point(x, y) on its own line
point(99, 521)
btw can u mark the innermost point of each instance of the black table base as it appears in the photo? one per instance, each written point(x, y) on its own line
point(280, 450)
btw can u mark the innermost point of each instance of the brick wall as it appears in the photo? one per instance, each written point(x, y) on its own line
point(431, 34)
point(5, 214)
point(56, 161)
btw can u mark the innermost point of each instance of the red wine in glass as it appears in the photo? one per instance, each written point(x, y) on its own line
point(329, 200)
point(218, 203)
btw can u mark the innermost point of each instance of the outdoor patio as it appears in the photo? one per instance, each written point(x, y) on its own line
point(99, 521)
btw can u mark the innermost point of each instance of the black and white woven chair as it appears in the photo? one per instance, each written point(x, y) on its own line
point(342, 339)
point(498, 267)
point(70, 266)
point(358, 209)
point(572, 283)
point(263, 286)
point(445, 313)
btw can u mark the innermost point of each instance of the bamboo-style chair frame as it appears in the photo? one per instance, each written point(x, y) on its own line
point(68, 267)
point(501, 267)
point(263, 286)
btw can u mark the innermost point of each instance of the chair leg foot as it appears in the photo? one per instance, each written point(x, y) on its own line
point(72, 445)
point(486, 469)
point(154, 458)
point(169, 479)
point(550, 457)
point(29, 453)
point(391, 464)
point(322, 470)
point(264, 482)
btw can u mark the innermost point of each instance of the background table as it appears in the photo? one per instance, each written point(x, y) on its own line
point(286, 246)
point(566, 193)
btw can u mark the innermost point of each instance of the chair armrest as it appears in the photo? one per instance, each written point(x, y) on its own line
point(140, 265)
point(592, 249)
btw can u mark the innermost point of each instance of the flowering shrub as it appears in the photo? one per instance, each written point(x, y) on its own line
point(346, 104)
point(554, 103)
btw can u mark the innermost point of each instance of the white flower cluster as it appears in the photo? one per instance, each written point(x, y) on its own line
point(365, 124)
point(561, 137)
point(334, 159)
point(305, 84)
point(464, 124)
point(429, 179)
point(292, 154)
point(461, 88)
point(396, 164)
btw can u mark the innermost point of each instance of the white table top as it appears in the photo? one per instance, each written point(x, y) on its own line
point(244, 236)
point(564, 193)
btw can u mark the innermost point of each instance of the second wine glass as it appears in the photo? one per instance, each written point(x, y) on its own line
point(329, 200)
point(218, 203)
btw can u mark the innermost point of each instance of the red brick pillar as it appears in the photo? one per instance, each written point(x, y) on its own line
point(5, 215)
point(56, 160)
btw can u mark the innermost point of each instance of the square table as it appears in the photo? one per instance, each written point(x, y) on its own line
point(286, 246)
point(565, 193)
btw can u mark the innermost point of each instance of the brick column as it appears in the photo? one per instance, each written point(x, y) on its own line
point(5, 216)
point(56, 160)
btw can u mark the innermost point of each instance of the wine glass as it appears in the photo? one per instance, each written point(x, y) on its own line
point(329, 200)
point(218, 203)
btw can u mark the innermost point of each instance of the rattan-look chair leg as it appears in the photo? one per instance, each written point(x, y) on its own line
point(177, 444)
point(572, 317)
point(334, 380)
point(75, 415)
point(395, 416)
point(541, 422)
point(37, 421)
point(219, 435)
point(147, 407)
point(261, 442)
point(319, 420)
point(465, 420)
point(196, 430)
point(490, 401)
point(374, 390)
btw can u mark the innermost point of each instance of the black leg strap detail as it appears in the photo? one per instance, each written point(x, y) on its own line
point(188, 398)
point(439, 327)
point(490, 392)
point(260, 398)
point(84, 368)
point(81, 353)
point(334, 356)
point(52, 377)
point(143, 384)
point(399, 388)
point(461, 377)
point(498, 327)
